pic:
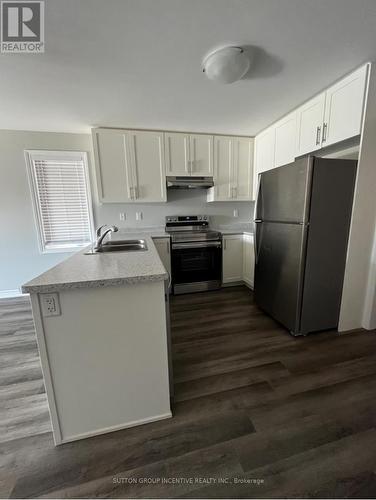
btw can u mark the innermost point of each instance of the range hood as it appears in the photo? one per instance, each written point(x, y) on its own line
point(185, 182)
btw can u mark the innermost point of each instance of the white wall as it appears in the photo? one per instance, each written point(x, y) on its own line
point(179, 202)
point(359, 290)
point(20, 259)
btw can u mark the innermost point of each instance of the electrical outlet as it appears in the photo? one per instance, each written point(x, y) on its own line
point(122, 216)
point(50, 304)
point(138, 215)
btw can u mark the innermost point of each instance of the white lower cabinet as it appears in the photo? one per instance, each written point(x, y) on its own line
point(248, 260)
point(232, 251)
point(238, 259)
point(163, 248)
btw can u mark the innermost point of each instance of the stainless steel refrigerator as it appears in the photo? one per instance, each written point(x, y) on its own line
point(302, 220)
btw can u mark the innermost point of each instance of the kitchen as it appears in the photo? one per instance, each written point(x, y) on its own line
point(188, 282)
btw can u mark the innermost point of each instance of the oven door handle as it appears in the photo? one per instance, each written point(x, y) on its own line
point(198, 244)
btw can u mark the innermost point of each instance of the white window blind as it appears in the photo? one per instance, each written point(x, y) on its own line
point(61, 199)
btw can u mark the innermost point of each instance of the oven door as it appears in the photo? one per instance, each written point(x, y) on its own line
point(196, 266)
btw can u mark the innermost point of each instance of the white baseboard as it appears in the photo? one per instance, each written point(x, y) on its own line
point(114, 428)
point(6, 294)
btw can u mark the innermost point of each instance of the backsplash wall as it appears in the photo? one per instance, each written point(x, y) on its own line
point(179, 202)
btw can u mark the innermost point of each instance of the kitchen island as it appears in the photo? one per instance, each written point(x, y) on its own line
point(102, 335)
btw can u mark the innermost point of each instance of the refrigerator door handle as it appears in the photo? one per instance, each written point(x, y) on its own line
point(256, 241)
point(256, 219)
point(257, 199)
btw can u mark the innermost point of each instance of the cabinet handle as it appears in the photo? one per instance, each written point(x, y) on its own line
point(318, 135)
point(224, 243)
point(135, 193)
point(324, 131)
point(236, 192)
point(131, 193)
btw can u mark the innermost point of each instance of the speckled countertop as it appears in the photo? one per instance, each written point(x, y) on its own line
point(241, 228)
point(103, 269)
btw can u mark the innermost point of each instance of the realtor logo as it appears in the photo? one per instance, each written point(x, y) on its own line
point(22, 27)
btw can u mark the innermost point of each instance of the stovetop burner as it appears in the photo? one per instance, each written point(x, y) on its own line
point(185, 228)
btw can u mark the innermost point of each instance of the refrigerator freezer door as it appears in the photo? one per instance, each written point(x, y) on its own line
point(283, 194)
point(279, 271)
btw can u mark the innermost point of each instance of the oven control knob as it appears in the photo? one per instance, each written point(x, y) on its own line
point(199, 217)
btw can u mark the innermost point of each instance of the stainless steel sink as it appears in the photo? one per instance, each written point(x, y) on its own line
point(120, 246)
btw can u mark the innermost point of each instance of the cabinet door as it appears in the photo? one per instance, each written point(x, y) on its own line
point(248, 260)
point(310, 123)
point(344, 107)
point(223, 168)
point(201, 155)
point(232, 258)
point(147, 153)
point(112, 163)
point(163, 248)
point(177, 154)
point(264, 154)
point(285, 140)
point(243, 168)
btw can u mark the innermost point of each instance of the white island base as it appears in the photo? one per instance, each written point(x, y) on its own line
point(105, 358)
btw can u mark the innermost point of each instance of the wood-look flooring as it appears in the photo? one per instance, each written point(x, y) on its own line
point(258, 414)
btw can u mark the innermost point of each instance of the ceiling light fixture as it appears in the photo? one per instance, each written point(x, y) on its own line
point(227, 65)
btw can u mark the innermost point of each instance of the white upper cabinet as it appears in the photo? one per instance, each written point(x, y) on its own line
point(264, 150)
point(148, 166)
point(243, 168)
point(285, 140)
point(344, 107)
point(310, 124)
point(333, 116)
point(264, 154)
point(189, 154)
point(113, 170)
point(223, 169)
point(130, 166)
point(201, 155)
point(233, 169)
point(177, 153)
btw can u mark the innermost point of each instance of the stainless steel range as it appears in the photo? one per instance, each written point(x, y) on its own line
point(196, 254)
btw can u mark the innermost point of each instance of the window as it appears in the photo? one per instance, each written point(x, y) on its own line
point(61, 198)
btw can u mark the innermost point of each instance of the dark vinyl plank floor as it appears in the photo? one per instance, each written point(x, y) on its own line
point(257, 414)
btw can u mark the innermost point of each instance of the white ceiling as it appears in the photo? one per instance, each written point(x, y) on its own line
point(137, 63)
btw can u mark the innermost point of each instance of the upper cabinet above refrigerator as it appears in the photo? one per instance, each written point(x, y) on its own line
point(310, 125)
point(333, 116)
point(329, 118)
point(344, 107)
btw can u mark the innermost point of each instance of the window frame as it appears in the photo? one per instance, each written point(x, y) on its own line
point(54, 154)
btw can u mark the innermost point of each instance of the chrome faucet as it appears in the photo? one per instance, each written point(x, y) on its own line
point(101, 236)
